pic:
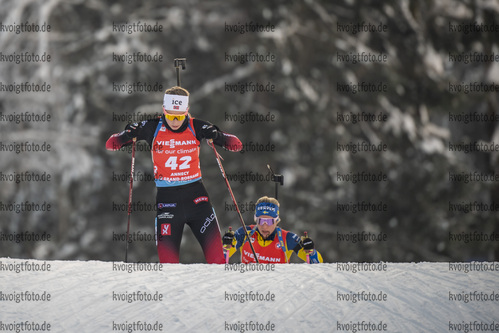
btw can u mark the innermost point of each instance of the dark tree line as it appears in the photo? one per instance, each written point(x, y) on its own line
point(313, 82)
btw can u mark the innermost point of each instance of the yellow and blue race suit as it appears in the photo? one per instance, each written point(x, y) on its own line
point(276, 249)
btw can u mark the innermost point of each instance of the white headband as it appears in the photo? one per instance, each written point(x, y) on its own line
point(176, 102)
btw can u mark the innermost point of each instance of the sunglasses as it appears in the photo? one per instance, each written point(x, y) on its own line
point(172, 117)
point(266, 220)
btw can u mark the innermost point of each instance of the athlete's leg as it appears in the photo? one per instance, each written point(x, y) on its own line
point(169, 227)
point(204, 224)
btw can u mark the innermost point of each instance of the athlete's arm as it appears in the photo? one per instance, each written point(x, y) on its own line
point(206, 130)
point(142, 131)
point(294, 242)
point(238, 239)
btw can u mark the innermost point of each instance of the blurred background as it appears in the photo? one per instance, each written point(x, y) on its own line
point(309, 41)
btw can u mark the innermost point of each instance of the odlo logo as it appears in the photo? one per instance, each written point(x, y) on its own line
point(207, 222)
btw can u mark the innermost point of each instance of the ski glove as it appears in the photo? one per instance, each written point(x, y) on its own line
point(209, 132)
point(228, 238)
point(308, 245)
point(133, 130)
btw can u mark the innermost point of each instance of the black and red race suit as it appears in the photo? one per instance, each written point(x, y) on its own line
point(181, 196)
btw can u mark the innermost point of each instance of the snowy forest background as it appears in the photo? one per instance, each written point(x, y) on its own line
point(306, 103)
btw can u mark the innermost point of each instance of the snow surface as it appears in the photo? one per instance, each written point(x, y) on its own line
point(197, 297)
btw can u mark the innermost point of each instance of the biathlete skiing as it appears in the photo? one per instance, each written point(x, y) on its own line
point(181, 197)
point(272, 244)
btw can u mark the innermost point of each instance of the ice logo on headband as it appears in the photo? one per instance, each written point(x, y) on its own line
point(176, 102)
point(266, 208)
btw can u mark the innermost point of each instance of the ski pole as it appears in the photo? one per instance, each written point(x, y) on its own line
point(210, 143)
point(306, 252)
point(130, 198)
